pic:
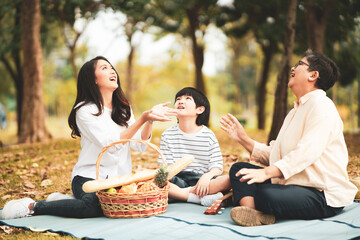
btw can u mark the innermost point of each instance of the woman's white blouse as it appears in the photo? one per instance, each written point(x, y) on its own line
point(96, 133)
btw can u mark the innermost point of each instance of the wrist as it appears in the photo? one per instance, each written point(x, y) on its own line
point(272, 171)
point(143, 117)
point(243, 140)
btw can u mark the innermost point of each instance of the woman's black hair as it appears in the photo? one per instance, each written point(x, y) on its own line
point(200, 100)
point(88, 92)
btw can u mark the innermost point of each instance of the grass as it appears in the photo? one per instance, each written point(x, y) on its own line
point(23, 169)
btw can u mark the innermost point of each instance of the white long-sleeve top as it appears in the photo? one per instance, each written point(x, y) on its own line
point(98, 132)
point(310, 150)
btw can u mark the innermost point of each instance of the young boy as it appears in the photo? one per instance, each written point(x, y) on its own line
point(199, 182)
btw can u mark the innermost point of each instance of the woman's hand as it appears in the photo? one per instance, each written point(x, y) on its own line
point(160, 112)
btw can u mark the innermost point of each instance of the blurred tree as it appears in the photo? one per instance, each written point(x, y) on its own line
point(137, 20)
point(330, 27)
point(317, 14)
point(235, 46)
point(347, 57)
point(10, 38)
point(159, 84)
point(10, 48)
point(265, 19)
point(324, 23)
point(243, 67)
point(280, 109)
point(66, 14)
point(190, 18)
point(33, 128)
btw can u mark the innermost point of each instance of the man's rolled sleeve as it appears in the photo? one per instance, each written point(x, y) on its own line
point(261, 153)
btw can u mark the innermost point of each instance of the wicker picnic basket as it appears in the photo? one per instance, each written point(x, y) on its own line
point(132, 205)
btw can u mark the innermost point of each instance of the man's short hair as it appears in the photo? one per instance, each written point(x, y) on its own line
point(327, 68)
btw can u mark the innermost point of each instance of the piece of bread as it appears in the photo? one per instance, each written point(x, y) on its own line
point(130, 188)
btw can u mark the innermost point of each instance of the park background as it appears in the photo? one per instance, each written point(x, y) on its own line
point(239, 53)
point(234, 51)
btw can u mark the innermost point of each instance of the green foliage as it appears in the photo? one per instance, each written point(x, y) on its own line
point(7, 90)
point(347, 58)
point(266, 19)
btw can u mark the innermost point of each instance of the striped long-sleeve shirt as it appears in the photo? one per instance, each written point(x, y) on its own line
point(203, 145)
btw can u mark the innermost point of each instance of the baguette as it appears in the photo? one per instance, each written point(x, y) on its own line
point(144, 175)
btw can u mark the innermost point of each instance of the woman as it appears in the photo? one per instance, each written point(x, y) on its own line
point(101, 115)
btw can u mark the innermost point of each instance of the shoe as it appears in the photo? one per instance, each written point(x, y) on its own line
point(245, 216)
point(210, 199)
point(59, 196)
point(17, 209)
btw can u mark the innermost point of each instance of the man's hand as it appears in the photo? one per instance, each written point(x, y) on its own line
point(258, 175)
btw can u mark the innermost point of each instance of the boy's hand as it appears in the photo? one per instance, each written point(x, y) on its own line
point(202, 186)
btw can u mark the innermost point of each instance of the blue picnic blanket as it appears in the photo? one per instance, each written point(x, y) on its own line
point(187, 221)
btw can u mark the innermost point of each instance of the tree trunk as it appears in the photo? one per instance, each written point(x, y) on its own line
point(235, 46)
point(72, 47)
point(316, 23)
point(33, 127)
point(197, 49)
point(72, 61)
point(129, 74)
point(280, 109)
point(16, 75)
point(15, 69)
point(358, 105)
point(268, 51)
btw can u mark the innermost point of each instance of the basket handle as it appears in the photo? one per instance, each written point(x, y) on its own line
point(156, 148)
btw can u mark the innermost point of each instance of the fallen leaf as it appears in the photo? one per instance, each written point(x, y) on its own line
point(7, 229)
point(35, 165)
point(38, 229)
point(46, 182)
point(6, 197)
point(51, 234)
point(29, 185)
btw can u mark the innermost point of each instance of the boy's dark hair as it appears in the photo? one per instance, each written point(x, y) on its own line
point(327, 68)
point(200, 100)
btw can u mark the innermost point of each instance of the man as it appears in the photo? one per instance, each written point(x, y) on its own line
point(306, 166)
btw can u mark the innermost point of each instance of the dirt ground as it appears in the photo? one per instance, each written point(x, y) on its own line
point(36, 170)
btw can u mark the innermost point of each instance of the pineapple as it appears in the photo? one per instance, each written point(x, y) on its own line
point(161, 176)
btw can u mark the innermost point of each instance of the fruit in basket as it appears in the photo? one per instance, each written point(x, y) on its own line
point(147, 186)
point(111, 190)
point(130, 188)
point(161, 176)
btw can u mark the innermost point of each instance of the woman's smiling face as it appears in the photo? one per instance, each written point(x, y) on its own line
point(105, 76)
